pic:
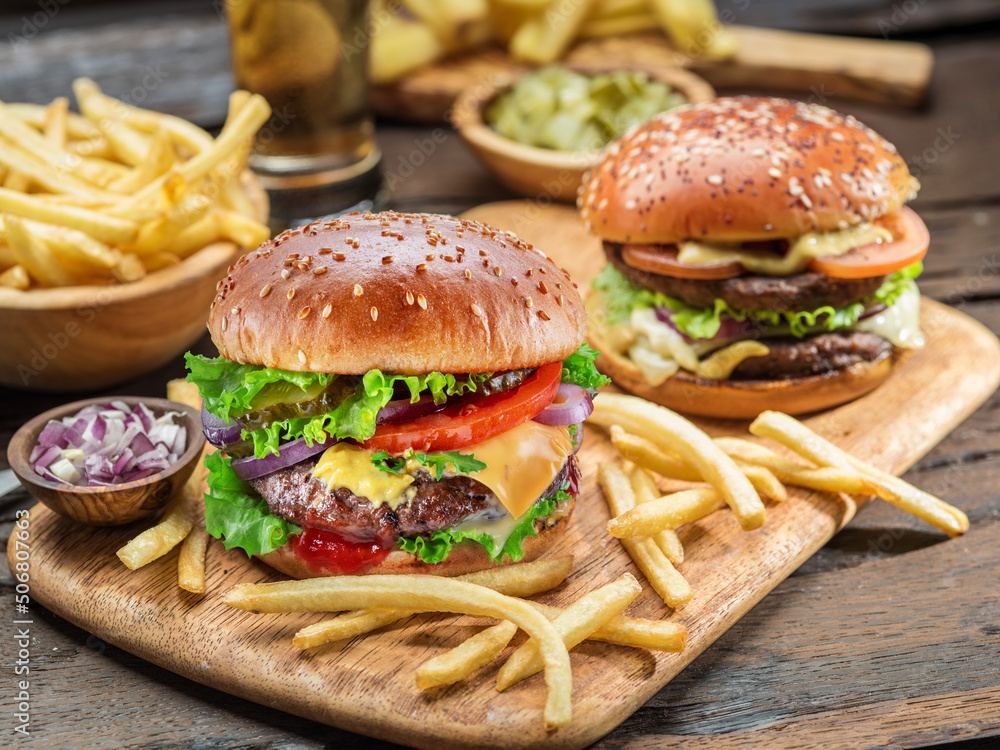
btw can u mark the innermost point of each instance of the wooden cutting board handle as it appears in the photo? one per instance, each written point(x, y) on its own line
point(876, 70)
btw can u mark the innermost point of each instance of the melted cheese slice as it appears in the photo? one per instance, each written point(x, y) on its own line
point(801, 250)
point(350, 466)
point(521, 463)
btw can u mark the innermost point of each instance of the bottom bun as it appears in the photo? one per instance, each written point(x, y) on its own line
point(745, 399)
point(466, 557)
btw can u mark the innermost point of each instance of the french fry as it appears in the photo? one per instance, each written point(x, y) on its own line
point(402, 46)
point(97, 225)
point(660, 573)
point(617, 25)
point(56, 122)
point(77, 127)
point(183, 392)
point(523, 579)
point(675, 434)
point(646, 454)
point(473, 653)
point(827, 479)
point(15, 277)
point(645, 490)
point(14, 179)
point(428, 592)
point(795, 435)
point(764, 481)
point(545, 38)
point(243, 230)
point(77, 246)
point(157, 541)
point(655, 635)
point(574, 624)
point(34, 254)
point(128, 144)
point(129, 268)
point(191, 563)
point(669, 511)
point(694, 27)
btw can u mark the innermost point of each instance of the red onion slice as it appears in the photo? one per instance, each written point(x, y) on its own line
point(290, 453)
point(571, 405)
point(401, 410)
point(217, 432)
point(108, 445)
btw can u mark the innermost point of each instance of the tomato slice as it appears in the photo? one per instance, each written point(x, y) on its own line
point(466, 423)
point(909, 244)
point(662, 259)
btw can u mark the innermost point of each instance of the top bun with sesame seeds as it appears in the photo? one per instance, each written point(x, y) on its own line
point(759, 257)
point(396, 393)
point(743, 169)
point(405, 293)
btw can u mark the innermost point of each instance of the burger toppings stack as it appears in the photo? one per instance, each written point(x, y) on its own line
point(759, 257)
point(395, 393)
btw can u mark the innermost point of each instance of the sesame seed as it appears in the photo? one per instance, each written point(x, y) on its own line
point(468, 273)
point(225, 324)
point(528, 302)
point(386, 259)
point(560, 299)
point(543, 315)
point(291, 294)
point(422, 267)
point(302, 356)
point(265, 290)
point(374, 312)
point(339, 256)
point(484, 253)
point(285, 273)
point(432, 256)
point(497, 271)
point(774, 172)
point(409, 297)
point(304, 312)
point(327, 310)
point(477, 310)
point(542, 288)
point(358, 291)
point(422, 301)
point(319, 271)
point(714, 179)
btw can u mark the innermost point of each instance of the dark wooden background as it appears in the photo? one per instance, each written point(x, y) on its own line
point(888, 637)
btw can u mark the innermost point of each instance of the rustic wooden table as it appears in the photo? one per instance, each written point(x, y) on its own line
point(888, 637)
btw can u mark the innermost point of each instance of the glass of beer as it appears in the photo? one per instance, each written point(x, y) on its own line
point(309, 58)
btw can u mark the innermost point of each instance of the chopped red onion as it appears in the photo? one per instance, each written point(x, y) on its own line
point(108, 445)
point(401, 410)
point(572, 405)
point(217, 432)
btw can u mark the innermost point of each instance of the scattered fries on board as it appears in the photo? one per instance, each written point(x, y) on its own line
point(182, 522)
point(379, 600)
point(117, 192)
point(410, 34)
point(654, 439)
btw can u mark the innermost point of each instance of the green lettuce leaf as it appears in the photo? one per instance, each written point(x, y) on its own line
point(463, 463)
point(436, 548)
point(621, 297)
point(578, 368)
point(228, 389)
point(238, 515)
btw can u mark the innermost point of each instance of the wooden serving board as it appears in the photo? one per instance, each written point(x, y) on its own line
point(366, 685)
point(815, 66)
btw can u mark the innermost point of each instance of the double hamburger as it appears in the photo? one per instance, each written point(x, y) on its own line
point(760, 256)
point(395, 393)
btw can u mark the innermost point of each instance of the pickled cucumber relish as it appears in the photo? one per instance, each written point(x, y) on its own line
point(560, 109)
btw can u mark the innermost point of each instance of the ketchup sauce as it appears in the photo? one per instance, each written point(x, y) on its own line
point(331, 552)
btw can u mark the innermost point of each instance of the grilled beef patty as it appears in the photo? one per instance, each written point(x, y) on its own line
point(814, 355)
point(801, 291)
point(295, 494)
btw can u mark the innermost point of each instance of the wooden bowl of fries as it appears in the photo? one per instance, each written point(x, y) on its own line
point(118, 504)
point(543, 173)
point(115, 225)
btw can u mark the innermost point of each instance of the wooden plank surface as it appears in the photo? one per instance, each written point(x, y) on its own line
point(359, 685)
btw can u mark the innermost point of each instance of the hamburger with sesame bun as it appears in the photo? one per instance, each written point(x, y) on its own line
point(759, 257)
point(395, 393)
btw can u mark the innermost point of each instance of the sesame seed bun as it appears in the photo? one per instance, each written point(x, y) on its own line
point(743, 169)
point(466, 557)
point(407, 293)
point(745, 399)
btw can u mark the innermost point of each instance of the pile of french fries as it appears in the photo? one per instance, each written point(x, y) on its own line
point(116, 191)
point(411, 34)
point(380, 600)
point(737, 473)
point(183, 521)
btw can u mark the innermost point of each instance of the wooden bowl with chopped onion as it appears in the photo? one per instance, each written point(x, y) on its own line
point(547, 173)
point(143, 479)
